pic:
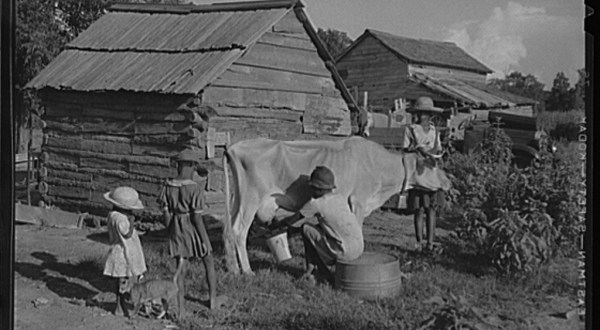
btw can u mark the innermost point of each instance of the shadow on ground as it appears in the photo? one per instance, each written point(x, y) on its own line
point(59, 278)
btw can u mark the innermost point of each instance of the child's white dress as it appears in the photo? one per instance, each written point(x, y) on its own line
point(126, 257)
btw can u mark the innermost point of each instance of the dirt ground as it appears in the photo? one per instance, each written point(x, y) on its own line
point(51, 293)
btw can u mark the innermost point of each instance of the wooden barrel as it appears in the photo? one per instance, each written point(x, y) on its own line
point(373, 275)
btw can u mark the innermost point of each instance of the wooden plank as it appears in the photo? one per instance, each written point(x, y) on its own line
point(282, 114)
point(57, 109)
point(159, 150)
point(115, 158)
point(327, 116)
point(167, 139)
point(234, 97)
point(56, 156)
point(215, 181)
point(99, 126)
point(69, 175)
point(100, 209)
point(69, 192)
point(159, 128)
point(117, 100)
point(290, 24)
point(64, 141)
point(101, 163)
point(61, 166)
point(284, 39)
point(238, 76)
point(284, 59)
point(104, 146)
point(152, 170)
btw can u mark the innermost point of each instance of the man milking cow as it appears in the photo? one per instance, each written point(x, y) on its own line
point(331, 226)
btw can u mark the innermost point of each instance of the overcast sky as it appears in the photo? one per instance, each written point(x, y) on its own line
point(539, 37)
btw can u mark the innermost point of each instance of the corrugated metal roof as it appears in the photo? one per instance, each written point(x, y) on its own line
point(429, 52)
point(180, 73)
point(158, 52)
point(470, 93)
point(175, 33)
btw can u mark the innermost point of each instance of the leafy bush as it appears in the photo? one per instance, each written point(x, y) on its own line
point(515, 218)
point(561, 124)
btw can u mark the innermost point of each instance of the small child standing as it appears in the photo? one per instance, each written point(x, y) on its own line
point(125, 259)
point(182, 202)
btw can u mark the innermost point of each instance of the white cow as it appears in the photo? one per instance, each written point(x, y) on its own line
point(261, 167)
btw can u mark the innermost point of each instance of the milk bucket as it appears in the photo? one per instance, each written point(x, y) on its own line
point(278, 245)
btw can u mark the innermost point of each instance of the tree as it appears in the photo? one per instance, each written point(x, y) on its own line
point(519, 84)
point(561, 96)
point(579, 90)
point(335, 41)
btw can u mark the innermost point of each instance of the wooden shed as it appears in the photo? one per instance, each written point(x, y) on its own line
point(145, 81)
point(391, 67)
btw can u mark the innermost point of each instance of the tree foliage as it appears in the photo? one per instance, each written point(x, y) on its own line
point(519, 84)
point(560, 96)
point(579, 90)
point(335, 41)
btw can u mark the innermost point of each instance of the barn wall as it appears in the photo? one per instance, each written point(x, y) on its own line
point(282, 71)
point(280, 89)
point(373, 68)
point(94, 142)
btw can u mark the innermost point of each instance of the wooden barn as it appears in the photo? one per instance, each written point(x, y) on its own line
point(145, 81)
point(391, 67)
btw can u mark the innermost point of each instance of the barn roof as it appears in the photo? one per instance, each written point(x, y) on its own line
point(421, 51)
point(175, 49)
point(476, 94)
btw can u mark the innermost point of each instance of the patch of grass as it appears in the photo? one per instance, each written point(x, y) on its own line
point(275, 298)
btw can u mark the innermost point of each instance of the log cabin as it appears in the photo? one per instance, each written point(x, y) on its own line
point(145, 81)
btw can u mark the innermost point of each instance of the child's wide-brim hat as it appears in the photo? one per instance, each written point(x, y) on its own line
point(125, 197)
point(424, 104)
point(188, 155)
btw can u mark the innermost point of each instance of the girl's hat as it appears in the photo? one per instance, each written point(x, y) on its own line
point(425, 104)
point(188, 155)
point(322, 178)
point(125, 197)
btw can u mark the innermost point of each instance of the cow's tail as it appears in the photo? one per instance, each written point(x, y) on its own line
point(228, 237)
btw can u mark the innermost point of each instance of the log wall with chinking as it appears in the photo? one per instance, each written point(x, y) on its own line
point(94, 142)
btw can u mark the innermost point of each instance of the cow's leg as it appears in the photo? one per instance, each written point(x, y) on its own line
point(229, 243)
point(241, 237)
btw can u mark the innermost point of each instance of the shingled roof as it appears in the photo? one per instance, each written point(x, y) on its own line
point(175, 49)
point(421, 51)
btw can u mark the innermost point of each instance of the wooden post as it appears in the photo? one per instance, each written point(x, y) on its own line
point(28, 160)
point(366, 101)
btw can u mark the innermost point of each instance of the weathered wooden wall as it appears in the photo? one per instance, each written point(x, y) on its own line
point(279, 89)
point(94, 142)
point(373, 68)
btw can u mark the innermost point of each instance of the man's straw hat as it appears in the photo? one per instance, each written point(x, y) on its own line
point(424, 104)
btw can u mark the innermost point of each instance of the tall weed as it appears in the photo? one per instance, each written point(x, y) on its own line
point(515, 218)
